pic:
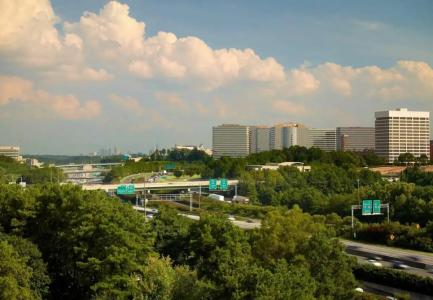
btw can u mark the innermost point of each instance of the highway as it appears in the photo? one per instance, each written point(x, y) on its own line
point(412, 258)
point(156, 185)
point(420, 263)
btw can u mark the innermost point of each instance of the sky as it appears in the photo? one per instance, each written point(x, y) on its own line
point(78, 76)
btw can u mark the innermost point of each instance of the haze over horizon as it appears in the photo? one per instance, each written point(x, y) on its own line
point(77, 76)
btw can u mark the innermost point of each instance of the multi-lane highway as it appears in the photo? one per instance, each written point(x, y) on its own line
point(414, 259)
point(420, 263)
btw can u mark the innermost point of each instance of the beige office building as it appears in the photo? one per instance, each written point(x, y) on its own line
point(230, 140)
point(402, 131)
point(260, 139)
point(323, 138)
point(355, 138)
point(284, 135)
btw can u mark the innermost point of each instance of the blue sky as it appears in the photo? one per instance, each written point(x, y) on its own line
point(73, 82)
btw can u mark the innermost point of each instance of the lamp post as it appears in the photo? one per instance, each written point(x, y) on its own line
point(359, 200)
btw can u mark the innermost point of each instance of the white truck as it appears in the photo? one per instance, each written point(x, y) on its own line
point(216, 197)
point(240, 199)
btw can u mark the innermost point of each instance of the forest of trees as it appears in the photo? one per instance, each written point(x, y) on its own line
point(13, 171)
point(60, 242)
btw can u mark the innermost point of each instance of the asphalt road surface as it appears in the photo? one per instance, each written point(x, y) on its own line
point(414, 259)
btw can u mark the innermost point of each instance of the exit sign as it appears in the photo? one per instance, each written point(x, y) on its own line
point(126, 189)
point(224, 184)
point(376, 207)
point(213, 184)
point(367, 207)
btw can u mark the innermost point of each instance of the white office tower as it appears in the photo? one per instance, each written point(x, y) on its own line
point(230, 140)
point(402, 131)
point(323, 138)
point(284, 135)
point(260, 139)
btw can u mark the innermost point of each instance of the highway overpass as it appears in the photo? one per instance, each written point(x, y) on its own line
point(156, 185)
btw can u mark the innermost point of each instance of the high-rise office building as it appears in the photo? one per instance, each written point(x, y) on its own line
point(323, 138)
point(355, 138)
point(402, 131)
point(230, 140)
point(259, 139)
point(284, 135)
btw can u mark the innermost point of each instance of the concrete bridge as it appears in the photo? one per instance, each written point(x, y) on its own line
point(157, 185)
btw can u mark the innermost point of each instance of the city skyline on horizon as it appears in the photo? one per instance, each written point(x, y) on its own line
point(152, 148)
point(76, 77)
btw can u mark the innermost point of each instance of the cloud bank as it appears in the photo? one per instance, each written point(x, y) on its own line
point(15, 89)
point(194, 82)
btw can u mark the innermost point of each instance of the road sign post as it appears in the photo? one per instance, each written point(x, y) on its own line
point(376, 207)
point(170, 166)
point(125, 189)
point(367, 206)
point(224, 184)
point(213, 184)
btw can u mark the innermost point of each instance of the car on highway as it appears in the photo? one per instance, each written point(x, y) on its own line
point(375, 263)
point(413, 257)
point(376, 257)
point(399, 265)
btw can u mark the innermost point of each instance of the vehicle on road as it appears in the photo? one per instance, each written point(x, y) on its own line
point(399, 265)
point(376, 257)
point(375, 263)
point(240, 199)
point(216, 197)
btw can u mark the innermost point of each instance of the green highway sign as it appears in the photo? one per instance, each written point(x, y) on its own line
point(367, 206)
point(126, 189)
point(376, 207)
point(224, 184)
point(170, 166)
point(213, 184)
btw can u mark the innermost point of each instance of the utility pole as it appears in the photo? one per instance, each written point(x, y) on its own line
point(359, 200)
point(199, 196)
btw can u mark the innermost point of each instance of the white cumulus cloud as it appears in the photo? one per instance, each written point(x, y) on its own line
point(16, 89)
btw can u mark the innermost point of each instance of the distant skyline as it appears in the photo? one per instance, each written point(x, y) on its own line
point(78, 76)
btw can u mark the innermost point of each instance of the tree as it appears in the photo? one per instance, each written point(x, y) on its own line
point(423, 159)
point(171, 234)
point(30, 255)
point(178, 173)
point(281, 282)
point(15, 275)
point(221, 254)
point(406, 158)
point(296, 237)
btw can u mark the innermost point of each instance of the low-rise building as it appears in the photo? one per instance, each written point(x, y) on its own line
point(200, 147)
point(11, 151)
point(275, 166)
point(33, 162)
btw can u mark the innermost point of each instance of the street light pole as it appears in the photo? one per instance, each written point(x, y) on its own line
point(359, 200)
